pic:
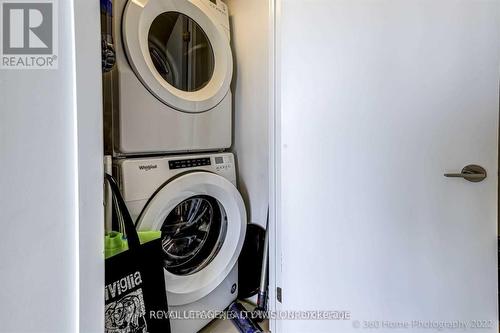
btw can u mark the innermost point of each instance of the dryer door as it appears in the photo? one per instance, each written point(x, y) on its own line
point(179, 52)
point(203, 222)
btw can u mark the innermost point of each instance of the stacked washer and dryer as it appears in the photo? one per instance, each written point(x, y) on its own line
point(170, 108)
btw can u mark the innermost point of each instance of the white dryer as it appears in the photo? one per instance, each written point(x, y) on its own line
point(193, 200)
point(170, 89)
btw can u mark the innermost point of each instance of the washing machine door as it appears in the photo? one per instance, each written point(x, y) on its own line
point(203, 222)
point(179, 52)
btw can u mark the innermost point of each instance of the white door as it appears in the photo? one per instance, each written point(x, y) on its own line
point(377, 100)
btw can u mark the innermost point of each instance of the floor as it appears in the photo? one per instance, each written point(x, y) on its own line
point(226, 326)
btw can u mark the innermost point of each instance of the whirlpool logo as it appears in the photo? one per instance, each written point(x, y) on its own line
point(148, 167)
point(29, 34)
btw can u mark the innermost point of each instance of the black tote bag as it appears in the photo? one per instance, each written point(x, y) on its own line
point(135, 294)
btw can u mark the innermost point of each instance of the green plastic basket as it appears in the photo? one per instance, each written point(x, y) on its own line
point(115, 242)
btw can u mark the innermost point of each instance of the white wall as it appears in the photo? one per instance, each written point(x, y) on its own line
point(40, 186)
point(250, 42)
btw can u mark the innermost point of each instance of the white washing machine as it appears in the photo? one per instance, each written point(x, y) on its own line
point(170, 88)
point(193, 200)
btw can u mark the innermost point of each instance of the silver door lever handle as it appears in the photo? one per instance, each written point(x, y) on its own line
point(472, 173)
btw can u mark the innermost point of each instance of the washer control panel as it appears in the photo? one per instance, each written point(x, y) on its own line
point(223, 163)
point(142, 177)
point(189, 163)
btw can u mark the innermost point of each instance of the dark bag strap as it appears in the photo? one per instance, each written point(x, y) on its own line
point(132, 237)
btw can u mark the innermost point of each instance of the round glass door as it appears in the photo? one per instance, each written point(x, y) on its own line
point(181, 51)
point(192, 234)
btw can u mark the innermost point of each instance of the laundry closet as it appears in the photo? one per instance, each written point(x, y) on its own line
point(186, 114)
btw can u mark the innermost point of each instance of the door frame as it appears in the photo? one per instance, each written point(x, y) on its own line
point(275, 224)
point(89, 169)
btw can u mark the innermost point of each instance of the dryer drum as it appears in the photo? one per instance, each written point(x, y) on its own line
point(162, 63)
point(181, 51)
point(192, 234)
